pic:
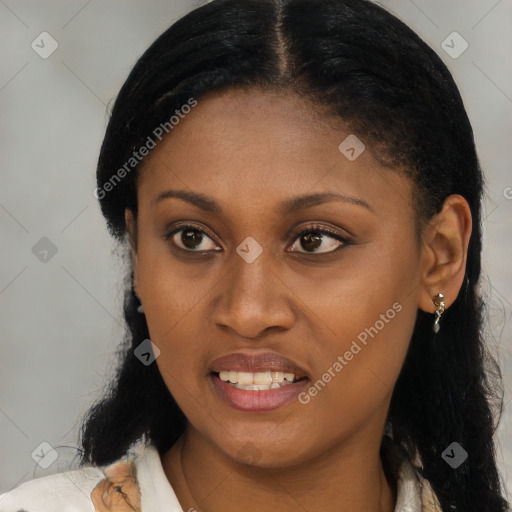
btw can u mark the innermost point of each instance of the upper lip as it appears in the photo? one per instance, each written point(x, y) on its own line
point(268, 361)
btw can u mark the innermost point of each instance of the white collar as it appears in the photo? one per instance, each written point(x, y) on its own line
point(414, 493)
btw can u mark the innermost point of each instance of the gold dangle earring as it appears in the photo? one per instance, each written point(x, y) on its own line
point(438, 301)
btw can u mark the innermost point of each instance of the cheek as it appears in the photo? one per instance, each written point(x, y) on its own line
point(182, 361)
point(174, 309)
point(171, 291)
point(358, 378)
point(370, 314)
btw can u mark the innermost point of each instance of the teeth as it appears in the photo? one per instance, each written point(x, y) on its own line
point(245, 378)
point(260, 387)
point(277, 377)
point(257, 380)
point(262, 378)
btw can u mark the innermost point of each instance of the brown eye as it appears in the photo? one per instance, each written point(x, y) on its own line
point(192, 239)
point(311, 240)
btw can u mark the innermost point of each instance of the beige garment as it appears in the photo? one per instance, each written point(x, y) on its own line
point(414, 493)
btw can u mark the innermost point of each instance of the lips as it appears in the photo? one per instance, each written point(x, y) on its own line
point(230, 376)
point(267, 361)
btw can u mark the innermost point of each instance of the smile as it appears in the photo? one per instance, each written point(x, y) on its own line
point(257, 381)
point(257, 397)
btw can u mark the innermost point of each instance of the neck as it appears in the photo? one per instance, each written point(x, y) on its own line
point(350, 477)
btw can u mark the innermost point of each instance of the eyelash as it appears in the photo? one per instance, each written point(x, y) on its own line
point(315, 229)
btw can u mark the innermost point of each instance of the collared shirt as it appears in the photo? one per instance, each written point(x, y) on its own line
point(137, 482)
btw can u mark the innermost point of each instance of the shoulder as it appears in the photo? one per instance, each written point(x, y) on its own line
point(87, 489)
point(68, 491)
point(414, 493)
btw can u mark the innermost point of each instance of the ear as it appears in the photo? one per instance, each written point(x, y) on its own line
point(131, 228)
point(444, 252)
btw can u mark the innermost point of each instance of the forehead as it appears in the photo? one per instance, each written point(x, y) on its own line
point(263, 147)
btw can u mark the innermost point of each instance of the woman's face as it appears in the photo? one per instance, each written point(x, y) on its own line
point(243, 283)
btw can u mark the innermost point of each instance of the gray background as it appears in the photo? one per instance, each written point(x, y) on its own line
point(61, 319)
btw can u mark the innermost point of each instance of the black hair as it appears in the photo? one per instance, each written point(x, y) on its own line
point(369, 69)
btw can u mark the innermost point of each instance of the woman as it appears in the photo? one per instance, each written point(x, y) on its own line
point(298, 187)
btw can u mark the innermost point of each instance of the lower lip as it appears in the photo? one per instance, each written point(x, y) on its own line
point(255, 401)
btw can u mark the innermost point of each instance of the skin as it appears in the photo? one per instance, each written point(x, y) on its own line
point(250, 151)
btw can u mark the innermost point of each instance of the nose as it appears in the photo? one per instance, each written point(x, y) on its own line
point(252, 299)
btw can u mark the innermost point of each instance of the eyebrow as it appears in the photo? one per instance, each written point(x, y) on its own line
point(287, 207)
